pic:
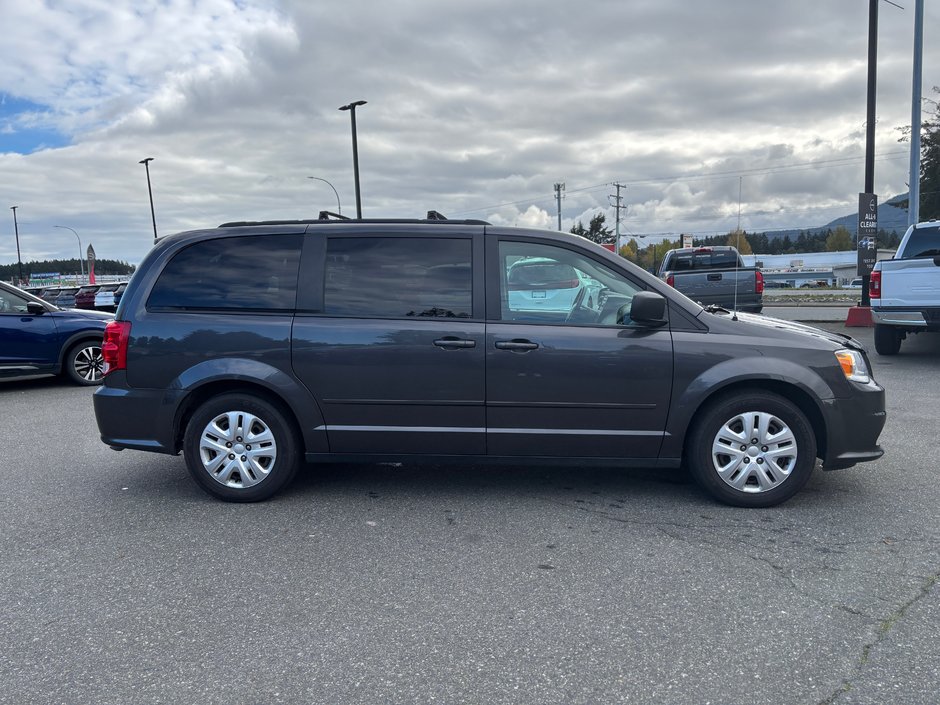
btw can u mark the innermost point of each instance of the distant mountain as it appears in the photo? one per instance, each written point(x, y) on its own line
point(891, 216)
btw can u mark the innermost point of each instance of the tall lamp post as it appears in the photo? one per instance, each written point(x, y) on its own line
point(339, 208)
point(352, 114)
point(153, 217)
point(81, 262)
point(16, 229)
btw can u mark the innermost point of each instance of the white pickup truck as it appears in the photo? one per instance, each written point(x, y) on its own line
point(905, 290)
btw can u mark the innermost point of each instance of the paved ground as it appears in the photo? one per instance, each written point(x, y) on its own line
point(120, 582)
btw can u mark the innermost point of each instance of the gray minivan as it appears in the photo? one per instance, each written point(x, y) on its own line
point(252, 347)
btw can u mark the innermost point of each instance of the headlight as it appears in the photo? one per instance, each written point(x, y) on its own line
point(853, 366)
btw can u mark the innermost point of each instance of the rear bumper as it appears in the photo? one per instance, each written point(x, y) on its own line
point(913, 318)
point(854, 425)
point(139, 419)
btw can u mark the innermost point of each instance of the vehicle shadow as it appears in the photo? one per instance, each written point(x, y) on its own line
point(21, 384)
point(469, 480)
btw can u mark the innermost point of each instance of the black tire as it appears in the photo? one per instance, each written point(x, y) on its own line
point(771, 474)
point(246, 474)
point(887, 339)
point(83, 363)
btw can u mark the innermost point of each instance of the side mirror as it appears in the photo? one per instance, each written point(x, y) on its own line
point(648, 308)
point(35, 309)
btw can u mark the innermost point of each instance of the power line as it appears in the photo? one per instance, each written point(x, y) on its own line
point(757, 171)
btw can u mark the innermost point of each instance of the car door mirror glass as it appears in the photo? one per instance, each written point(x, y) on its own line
point(35, 309)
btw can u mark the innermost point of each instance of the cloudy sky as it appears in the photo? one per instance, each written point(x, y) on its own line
point(474, 109)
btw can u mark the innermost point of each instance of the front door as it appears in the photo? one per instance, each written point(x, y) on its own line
point(395, 355)
point(27, 342)
point(574, 378)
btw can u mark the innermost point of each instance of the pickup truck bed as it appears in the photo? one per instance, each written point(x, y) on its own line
point(905, 290)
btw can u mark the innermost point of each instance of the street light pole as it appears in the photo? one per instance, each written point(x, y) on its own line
point(16, 229)
point(352, 114)
point(339, 208)
point(81, 262)
point(146, 163)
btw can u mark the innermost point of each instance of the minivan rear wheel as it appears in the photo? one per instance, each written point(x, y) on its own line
point(753, 449)
point(240, 448)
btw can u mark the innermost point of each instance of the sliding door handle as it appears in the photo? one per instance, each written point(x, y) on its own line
point(516, 345)
point(454, 343)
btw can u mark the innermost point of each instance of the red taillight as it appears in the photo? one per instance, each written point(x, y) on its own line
point(114, 345)
point(758, 282)
point(874, 285)
point(671, 281)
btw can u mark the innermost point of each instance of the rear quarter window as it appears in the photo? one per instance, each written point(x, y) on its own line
point(256, 273)
point(923, 242)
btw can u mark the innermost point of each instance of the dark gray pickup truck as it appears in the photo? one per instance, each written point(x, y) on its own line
point(714, 276)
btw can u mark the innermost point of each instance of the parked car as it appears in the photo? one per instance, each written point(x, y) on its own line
point(66, 297)
point(104, 297)
point(37, 337)
point(85, 297)
point(854, 284)
point(50, 294)
point(905, 290)
point(118, 293)
point(714, 276)
point(400, 340)
point(538, 284)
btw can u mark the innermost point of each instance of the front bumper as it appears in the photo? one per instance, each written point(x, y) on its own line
point(854, 424)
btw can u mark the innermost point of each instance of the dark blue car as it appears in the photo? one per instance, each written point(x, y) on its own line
point(37, 337)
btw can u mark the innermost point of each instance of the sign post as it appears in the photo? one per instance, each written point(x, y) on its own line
point(867, 249)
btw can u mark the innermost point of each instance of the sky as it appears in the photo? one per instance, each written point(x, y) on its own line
point(709, 114)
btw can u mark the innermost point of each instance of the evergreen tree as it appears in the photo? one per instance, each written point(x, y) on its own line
point(597, 231)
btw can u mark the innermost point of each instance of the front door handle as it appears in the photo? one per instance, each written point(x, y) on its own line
point(714, 277)
point(450, 343)
point(516, 345)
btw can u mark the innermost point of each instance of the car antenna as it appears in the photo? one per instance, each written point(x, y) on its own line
point(434, 215)
point(734, 314)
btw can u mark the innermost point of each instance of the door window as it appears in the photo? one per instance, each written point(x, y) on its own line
point(549, 284)
point(12, 303)
point(399, 277)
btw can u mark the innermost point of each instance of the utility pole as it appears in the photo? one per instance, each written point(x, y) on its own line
point(558, 189)
point(16, 229)
point(618, 204)
point(913, 202)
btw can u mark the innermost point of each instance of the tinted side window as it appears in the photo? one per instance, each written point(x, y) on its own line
point(384, 277)
point(924, 242)
point(243, 273)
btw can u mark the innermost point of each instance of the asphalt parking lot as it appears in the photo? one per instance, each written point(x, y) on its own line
point(120, 581)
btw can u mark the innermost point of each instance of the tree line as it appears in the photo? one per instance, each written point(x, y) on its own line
point(648, 256)
point(104, 267)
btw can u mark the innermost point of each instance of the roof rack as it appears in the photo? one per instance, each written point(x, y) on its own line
point(330, 215)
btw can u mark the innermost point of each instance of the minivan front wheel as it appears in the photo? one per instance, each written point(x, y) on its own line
point(754, 449)
point(240, 448)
